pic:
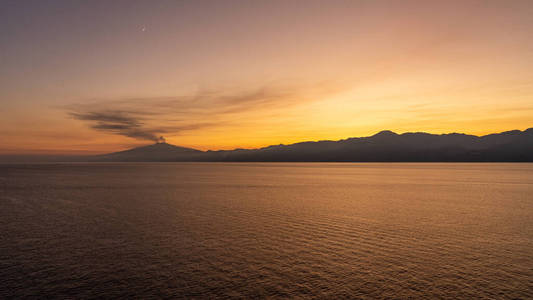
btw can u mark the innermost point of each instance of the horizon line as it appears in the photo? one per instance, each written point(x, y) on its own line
point(96, 153)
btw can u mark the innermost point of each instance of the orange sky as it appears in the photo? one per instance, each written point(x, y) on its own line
point(101, 76)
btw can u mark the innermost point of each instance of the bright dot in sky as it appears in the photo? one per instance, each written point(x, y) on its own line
point(143, 29)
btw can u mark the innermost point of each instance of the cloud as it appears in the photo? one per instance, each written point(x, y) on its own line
point(152, 118)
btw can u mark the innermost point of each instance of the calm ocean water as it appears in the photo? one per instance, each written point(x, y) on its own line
point(279, 230)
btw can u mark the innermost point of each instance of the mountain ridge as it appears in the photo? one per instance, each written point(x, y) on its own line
point(384, 146)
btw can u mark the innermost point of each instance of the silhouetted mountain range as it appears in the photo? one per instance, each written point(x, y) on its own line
point(385, 146)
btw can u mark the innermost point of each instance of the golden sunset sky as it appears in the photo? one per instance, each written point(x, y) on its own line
point(100, 76)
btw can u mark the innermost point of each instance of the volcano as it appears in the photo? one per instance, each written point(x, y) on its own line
point(155, 152)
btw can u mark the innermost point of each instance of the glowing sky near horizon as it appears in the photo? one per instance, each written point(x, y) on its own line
point(99, 76)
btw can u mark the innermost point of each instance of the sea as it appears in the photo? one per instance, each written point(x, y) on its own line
point(266, 230)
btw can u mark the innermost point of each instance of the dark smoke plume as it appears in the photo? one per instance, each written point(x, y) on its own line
point(119, 122)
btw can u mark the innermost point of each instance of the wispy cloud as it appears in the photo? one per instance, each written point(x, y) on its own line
point(152, 118)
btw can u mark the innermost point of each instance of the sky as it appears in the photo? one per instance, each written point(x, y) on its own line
point(87, 77)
